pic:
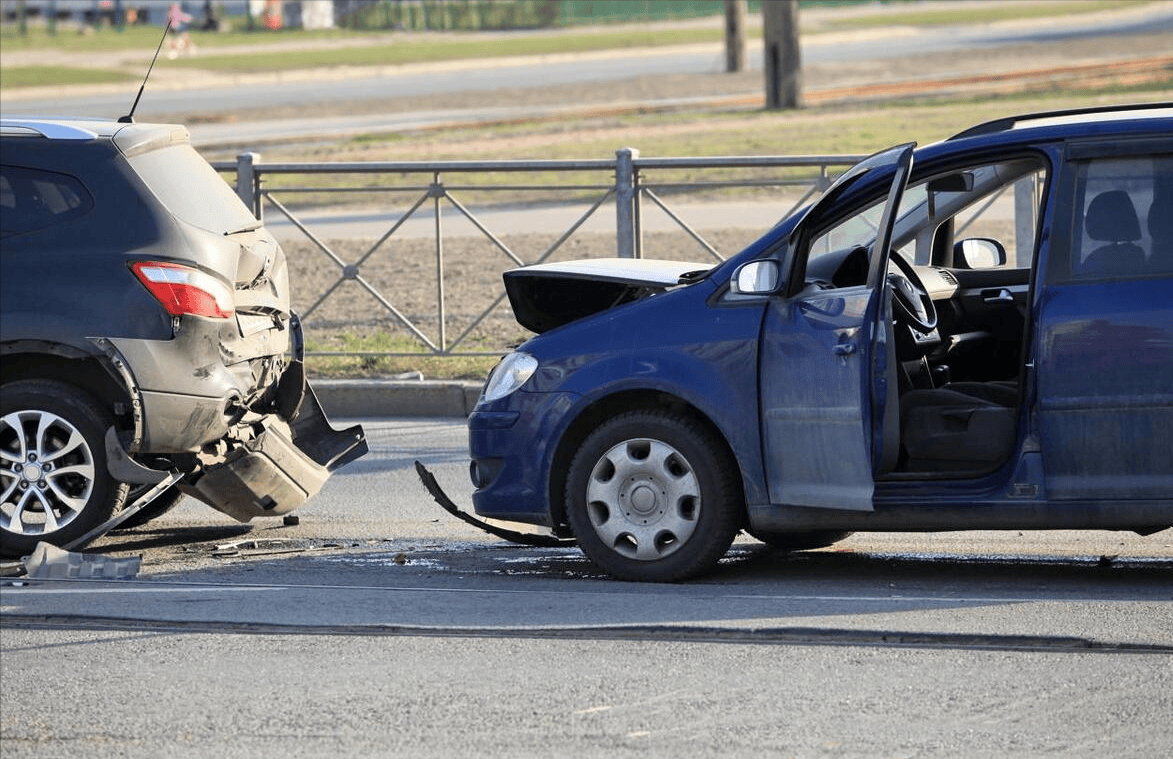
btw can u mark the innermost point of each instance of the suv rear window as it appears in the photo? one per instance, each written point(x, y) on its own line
point(32, 199)
point(192, 190)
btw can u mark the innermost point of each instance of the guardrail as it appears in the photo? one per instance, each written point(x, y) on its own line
point(632, 184)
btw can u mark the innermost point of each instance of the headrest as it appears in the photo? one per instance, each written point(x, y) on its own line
point(1161, 218)
point(1111, 217)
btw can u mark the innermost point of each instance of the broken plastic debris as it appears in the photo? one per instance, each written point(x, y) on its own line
point(266, 547)
point(48, 562)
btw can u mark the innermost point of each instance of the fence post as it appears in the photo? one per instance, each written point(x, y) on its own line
point(247, 185)
point(625, 202)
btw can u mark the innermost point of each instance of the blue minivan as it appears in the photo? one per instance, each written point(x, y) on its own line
point(973, 335)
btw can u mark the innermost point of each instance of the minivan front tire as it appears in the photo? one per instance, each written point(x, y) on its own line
point(652, 496)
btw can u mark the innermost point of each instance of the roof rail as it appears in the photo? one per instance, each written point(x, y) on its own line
point(53, 130)
point(1004, 124)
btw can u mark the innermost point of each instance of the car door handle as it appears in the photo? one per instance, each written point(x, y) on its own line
point(997, 296)
point(843, 349)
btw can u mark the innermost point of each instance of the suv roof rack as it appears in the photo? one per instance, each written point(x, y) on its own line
point(53, 130)
point(1004, 124)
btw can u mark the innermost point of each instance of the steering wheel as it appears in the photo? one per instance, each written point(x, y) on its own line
point(910, 297)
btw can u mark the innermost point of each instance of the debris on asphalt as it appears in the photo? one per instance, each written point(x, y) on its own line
point(275, 547)
point(12, 569)
point(523, 538)
point(48, 562)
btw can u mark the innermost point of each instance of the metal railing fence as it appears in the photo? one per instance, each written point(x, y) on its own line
point(632, 184)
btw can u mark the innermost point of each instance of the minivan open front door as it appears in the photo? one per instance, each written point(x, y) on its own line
point(827, 382)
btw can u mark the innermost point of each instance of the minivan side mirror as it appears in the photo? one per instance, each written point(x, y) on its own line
point(979, 253)
point(756, 278)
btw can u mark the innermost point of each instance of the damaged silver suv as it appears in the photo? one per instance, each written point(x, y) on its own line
point(146, 338)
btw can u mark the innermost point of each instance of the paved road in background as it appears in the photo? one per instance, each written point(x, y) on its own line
point(222, 94)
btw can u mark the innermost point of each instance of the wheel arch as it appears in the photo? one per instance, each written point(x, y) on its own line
point(29, 359)
point(594, 414)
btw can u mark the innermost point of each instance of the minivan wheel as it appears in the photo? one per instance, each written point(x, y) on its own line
point(652, 496)
point(54, 485)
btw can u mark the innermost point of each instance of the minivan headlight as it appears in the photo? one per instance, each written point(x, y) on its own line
point(510, 374)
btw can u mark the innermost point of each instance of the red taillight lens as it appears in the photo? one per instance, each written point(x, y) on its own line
point(183, 290)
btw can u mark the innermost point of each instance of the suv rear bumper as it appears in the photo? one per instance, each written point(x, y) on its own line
point(276, 459)
point(282, 468)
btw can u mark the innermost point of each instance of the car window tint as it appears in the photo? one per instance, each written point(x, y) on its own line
point(1120, 227)
point(32, 199)
point(191, 189)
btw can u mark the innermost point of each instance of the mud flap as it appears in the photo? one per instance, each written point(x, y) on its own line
point(527, 539)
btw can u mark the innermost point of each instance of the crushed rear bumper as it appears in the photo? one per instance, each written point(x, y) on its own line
point(284, 465)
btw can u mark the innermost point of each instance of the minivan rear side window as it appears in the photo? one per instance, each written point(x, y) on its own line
point(32, 199)
point(1121, 224)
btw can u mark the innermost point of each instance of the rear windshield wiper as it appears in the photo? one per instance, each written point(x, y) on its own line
point(245, 228)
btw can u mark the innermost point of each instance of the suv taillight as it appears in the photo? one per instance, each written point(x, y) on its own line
point(183, 290)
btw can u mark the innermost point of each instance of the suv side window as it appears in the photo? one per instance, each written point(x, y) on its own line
point(1123, 220)
point(31, 199)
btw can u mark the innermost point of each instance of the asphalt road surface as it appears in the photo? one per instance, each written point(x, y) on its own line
point(379, 625)
point(382, 626)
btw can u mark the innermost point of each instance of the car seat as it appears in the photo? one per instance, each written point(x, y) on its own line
point(1111, 218)
point(944, 430)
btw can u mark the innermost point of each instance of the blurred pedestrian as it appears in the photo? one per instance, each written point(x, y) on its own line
point(210, 22)
point(179, 39)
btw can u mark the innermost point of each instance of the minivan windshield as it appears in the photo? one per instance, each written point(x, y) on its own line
point(191, 189)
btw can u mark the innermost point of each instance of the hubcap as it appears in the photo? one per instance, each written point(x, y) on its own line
point(643, 499)
point(47, 472)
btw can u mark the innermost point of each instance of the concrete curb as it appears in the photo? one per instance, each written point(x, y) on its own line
point(374, 397)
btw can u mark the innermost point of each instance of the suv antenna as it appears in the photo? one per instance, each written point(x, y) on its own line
point(129, 118)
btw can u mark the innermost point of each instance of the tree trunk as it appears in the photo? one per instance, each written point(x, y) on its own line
point(735, 12)
point(781, 63)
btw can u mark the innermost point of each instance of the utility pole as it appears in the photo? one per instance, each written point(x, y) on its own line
point(735, 12)
point(781, 64)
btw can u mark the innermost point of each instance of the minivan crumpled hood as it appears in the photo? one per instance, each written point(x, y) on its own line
point(545, 296)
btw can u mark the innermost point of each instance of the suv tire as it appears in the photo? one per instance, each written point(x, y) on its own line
point(54, 484)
